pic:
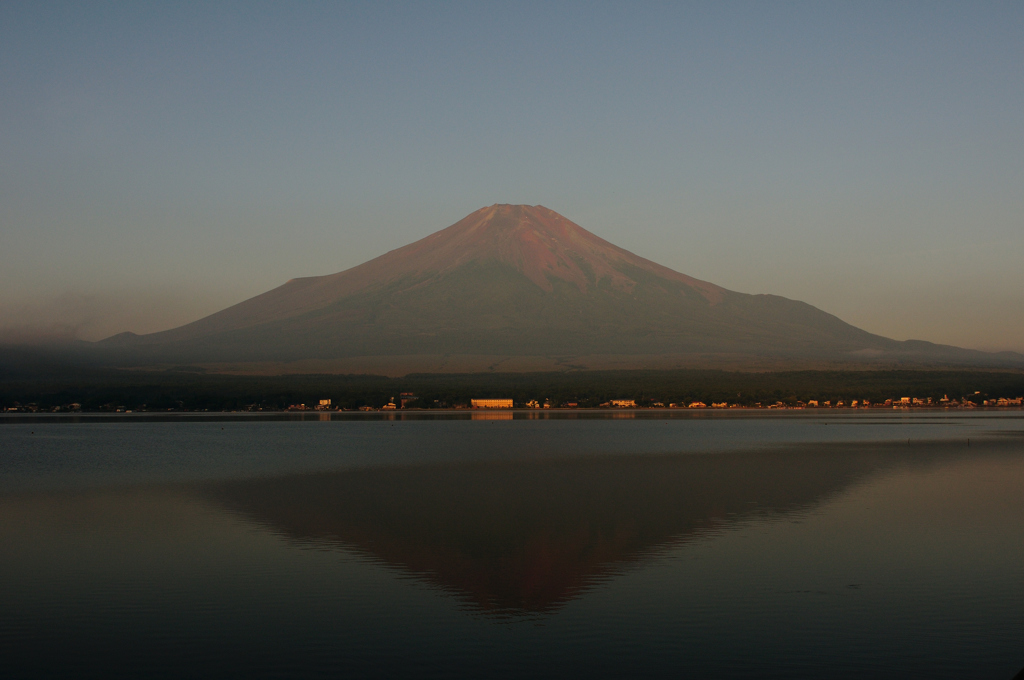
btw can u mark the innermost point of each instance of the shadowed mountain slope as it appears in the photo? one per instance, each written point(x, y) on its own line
point(519, 281)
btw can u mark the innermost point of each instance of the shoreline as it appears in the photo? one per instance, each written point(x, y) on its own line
point(519, 414)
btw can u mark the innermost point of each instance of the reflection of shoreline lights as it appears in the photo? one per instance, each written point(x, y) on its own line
point(492, 415)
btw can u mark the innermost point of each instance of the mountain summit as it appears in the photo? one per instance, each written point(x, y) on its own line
point(537, 242)
point(520, 281)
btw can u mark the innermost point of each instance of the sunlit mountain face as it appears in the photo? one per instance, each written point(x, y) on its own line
point(519, 280)
point(523, 538)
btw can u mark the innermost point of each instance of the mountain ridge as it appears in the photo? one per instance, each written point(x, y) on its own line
point(500, 233)
point(520, 280)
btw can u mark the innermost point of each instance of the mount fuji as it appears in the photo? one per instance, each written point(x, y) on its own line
point(522, 286)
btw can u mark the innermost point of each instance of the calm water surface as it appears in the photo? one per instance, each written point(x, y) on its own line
point(708, 546)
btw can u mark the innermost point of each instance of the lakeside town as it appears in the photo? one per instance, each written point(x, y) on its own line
point(407, 399)
point(409, 402)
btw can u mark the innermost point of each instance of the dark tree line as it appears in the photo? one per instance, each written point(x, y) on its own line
point(97, 390)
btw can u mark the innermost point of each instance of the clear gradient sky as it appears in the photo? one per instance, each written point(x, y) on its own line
point(161, 161)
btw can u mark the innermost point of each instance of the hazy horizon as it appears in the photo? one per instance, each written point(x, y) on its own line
point(162, 162)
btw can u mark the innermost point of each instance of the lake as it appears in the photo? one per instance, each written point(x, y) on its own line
point(650, 543)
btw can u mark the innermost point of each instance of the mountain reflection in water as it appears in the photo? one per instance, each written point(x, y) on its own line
point(514, 538)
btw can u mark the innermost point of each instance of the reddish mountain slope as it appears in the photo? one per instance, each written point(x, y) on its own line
point(517, 280)
point(537, 242)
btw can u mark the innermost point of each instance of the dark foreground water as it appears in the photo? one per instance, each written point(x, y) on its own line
point(861, 545)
